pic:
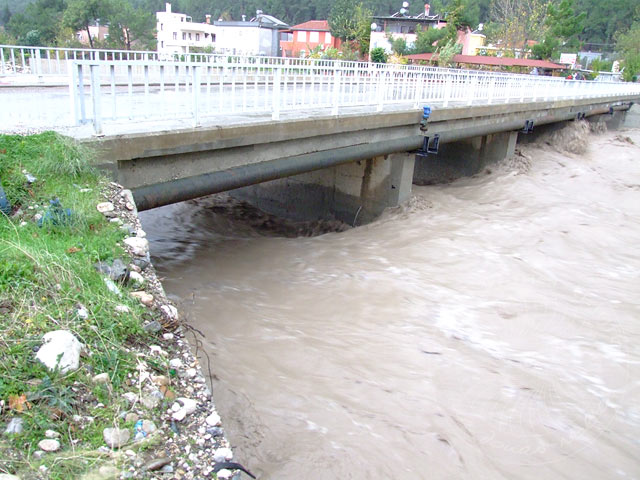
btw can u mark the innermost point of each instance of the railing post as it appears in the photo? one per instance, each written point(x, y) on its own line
point(95, 97)
point(447, 89)
point(275, 98)
point(73, 94)
point(336, 89)
point(196, 96)
point(490, 92)
point(380, 90)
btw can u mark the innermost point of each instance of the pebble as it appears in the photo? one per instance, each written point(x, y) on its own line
point(105, 207)
point(175, 363)
point(37, 217)
point(157, 463)
point(115, 437)
point(167, 336)
point(139, 246)
point(82, 312)
point(130, 397)
point(150, 401)
point(51, 434)
point(153, 327)
point(129, 206)
point(170, 311)
point(38, 454)
point(117, 221)
point(111, 286)
point(222, 454)
point(101, 378)
point(144, 297)
point(215, 431)
point(160, 380)
point(136, 278)
point(131, 417)
point(167, 469)
point(213, 419)
point(49, 445)
point(224, 473)
point(122, 309)
point(15, 426)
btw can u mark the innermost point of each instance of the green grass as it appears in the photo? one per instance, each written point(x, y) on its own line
point(46, 272)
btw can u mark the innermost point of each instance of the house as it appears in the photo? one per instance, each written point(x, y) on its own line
point(305, 37)
point(177, 33)
point(525, 65)
point(400, 25)
point(98, 32)
point(258, 36)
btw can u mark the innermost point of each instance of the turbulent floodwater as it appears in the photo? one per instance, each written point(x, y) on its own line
point(490, 328)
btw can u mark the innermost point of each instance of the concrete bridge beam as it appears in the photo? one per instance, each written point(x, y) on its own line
point(355, 193)
point(464, 158)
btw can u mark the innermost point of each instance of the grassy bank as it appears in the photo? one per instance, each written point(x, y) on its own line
point(48, 282)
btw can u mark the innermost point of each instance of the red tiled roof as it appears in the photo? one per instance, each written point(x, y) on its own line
point(493, 61)
point(320, 25)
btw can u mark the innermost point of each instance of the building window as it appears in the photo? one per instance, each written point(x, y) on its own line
point(302, 36)
point(162, 26)
point(213, 37)
point(327, 38)
point(161, 44)
point(314, 37)
point(197, 37)
point(184, 36)
point(175, 35)
point(189, 35)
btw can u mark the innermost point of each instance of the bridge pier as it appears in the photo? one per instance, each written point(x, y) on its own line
point(464, 158)
point(355, 193)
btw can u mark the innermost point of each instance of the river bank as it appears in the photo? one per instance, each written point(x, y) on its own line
point(123, 396)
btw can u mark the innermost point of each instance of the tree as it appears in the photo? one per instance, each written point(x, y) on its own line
point(351, 22)
point(80, 14)
point(563, 28)
point(426, 39)
point(518, 21)
point(5, 15)
point(129, 25)
point(43, 15)
point(629, 47)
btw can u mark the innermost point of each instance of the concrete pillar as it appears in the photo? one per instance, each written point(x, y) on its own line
point(355, 193)
point(464, 158)
point(632, 118)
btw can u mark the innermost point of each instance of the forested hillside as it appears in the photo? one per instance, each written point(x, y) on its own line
point(602, 21)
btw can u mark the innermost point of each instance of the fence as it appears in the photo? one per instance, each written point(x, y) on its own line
point(250, 85)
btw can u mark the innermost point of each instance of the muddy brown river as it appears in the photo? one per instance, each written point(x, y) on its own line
point(488, 329)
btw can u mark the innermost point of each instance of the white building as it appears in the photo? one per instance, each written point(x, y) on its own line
point(178, 34)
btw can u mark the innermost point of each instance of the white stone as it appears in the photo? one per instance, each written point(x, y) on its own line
point(136, 278)
point(188, 404)
point(102, 378)
point(15, 426)
point(179, 415)
point(51, 434)
point(190, 372)
point(82, 312)
point(60, 349)
point(175, 363)
point(7, 476)
point(139, 246)
point(37, 217)
point(49, 445)
point(148, 427)
point(224, 474)
point(122, 309)
point(111, 286)
point(116, 437)
point(105, 207)
point(170, 311)
point(141, 233)
point(130, 397)
point(222, 454)
point(167, 336)
point(213, 419)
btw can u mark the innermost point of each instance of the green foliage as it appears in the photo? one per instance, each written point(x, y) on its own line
point(378, 55)
point(629, 47)
point(43, 16)
point(447, 51)
point(605, 19)
point(425, 40)
point(5, 14)
point(399, 45)
point(80, 14)
point(598, 65)
point(129, 25)
point(563, 27)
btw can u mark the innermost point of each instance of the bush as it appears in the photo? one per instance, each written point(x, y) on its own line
point(378, 55)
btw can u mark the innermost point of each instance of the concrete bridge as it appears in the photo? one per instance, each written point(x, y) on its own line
point(296, 135)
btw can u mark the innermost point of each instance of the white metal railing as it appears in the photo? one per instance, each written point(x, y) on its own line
point(105, 90)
